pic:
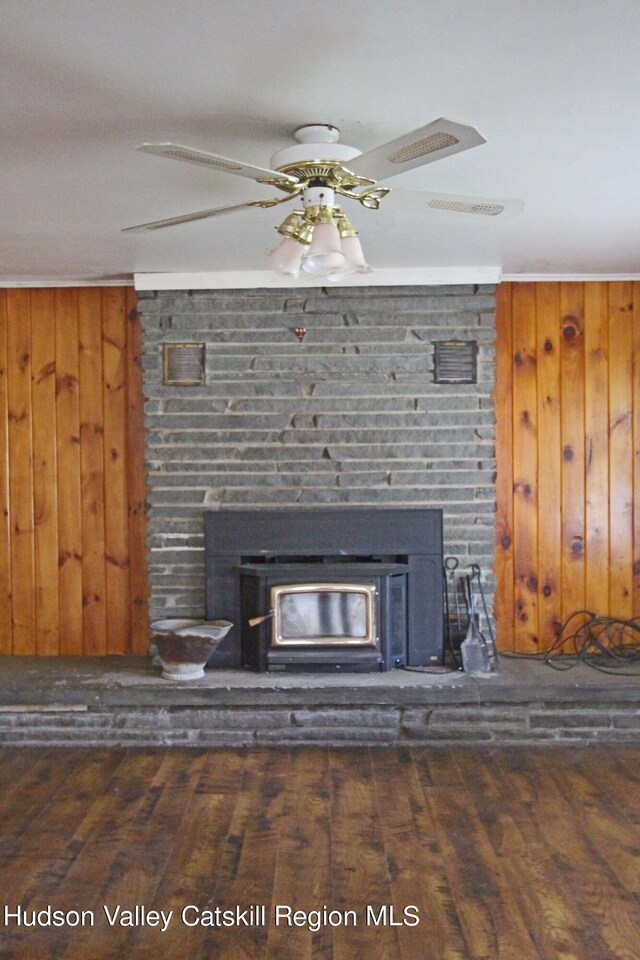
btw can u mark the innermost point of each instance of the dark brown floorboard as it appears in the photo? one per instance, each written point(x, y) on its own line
point(510, 854)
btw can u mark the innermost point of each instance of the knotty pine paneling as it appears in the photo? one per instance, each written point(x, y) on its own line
point(568, 455)
point(72, 524)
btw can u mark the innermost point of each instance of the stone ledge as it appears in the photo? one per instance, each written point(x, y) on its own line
point(133, 681)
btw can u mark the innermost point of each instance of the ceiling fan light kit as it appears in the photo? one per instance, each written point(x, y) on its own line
point(319, 239)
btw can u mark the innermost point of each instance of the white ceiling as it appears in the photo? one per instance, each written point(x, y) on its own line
point(553, 86)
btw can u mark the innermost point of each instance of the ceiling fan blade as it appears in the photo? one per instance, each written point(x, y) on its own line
point(188, 217)
point(174, 151)
point(459, 203)
point(439, 139)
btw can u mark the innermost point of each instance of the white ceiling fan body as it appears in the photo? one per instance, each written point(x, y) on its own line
point(316, 168)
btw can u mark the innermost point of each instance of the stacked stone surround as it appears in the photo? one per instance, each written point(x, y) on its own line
point(350, 415)
point(371, 725)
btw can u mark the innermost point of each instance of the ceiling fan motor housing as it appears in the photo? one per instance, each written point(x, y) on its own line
point(317, 133)
point(316, 143)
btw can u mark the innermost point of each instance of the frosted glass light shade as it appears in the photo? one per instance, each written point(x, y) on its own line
point(355, 262)
point(286, 257)
point(325, 253)
point(352, 249)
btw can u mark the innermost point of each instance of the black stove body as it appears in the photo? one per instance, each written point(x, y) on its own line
point(336, 589)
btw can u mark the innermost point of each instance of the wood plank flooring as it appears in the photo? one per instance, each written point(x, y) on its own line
point(510, 854)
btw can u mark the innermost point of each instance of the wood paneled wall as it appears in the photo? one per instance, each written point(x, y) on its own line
point(72, 553)
point(568, 449)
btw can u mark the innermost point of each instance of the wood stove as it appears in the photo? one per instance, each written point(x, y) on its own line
point(344, 615)
point(327, 589)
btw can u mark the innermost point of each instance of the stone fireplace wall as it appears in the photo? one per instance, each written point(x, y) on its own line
point(350, 415)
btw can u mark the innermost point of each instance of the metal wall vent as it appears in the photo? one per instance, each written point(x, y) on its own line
point(455, 361)
point(183, 364)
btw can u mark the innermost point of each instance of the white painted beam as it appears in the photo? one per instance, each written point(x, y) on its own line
point(247, 279)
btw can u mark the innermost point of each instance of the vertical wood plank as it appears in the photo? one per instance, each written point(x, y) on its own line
point(136, 487)
point(114, 334)
point(416, 866)
point(597, 504)
point(71, 423)
point(21, 470)
point(68, 442)
point(303, 844)
point(572, 491)
point(94, 616)
point(549, 443)
point(359, 872)
point(486, 907)
point(45, 503)
point(596, 399)
point(6, 624)
point(502, 398)
point(620, 449)
point(636, 448)
point(525, 467)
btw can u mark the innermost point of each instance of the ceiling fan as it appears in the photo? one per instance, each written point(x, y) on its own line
point(319, 238)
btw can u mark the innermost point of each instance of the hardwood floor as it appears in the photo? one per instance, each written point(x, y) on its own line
point(516, 854)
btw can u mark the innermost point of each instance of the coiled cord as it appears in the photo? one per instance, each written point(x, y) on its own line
point(607, 644)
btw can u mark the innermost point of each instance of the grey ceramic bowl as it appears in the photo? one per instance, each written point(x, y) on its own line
point(184, 646)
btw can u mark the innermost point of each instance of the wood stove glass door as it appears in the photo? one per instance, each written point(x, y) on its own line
point(321, 614)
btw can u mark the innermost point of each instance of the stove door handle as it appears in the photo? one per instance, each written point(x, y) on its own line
point(254, 621)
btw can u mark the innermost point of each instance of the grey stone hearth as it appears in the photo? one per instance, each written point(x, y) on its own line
point(123, 701)
point(350, 415)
